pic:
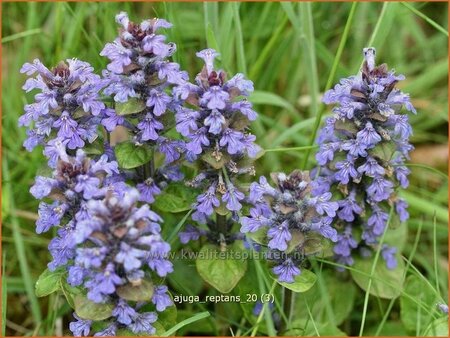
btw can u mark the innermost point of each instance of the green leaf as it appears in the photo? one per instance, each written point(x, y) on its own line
point(437, 328)
point(221, 269)
point(216, 164)
point(87, 309)
point(267, 98)
point(177, 197)
point(340, 297)
point(168, 317)
point(411, 312)
point(132, 106)
point(384, 150)
point(396, 235)
point(49, 282)
point(70, 292)
point(302, 282)
point(130, 156)
point(386, 284)
point(136, 293)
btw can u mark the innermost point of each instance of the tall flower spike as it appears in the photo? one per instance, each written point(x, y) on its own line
point(105, 241)
point(216, 126)
point(292, 220)
point(141, 76)
point(67, 110)
point(362, 150)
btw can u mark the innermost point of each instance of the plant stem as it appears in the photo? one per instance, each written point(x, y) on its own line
point(221, 224)
point(287, 308)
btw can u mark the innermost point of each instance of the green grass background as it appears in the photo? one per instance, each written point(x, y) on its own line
point(292, 52)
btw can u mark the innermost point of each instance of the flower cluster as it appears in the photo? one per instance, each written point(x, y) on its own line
point(104, 240)
point(67, 110)
point(140, 72)
point(292, 220)
point(115, 247)
point(140, 77)
point(361, 157)
point(216, 127)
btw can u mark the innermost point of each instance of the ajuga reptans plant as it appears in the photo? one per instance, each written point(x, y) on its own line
point(108, 245)
point(292, 222)
point(140, 77)
point(216, 126)
point(362, 150)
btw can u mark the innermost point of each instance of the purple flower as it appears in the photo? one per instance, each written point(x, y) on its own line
point(326, 152)
point(108, 332)
point(124, 313)
point(286, 271)
point(368, 135)
point(160, 298)
point(215, 121)
point(346, 170)
point(443, 308)
point(142, 323)
point(159, 101)
point(149, 127)
point(371, 168)
point(232, 198)
point(111, 119)
point(69, 96)
point(233, 139)
point(255, 222)
point(215, 98)
point(186, 121)
point(208, 201)
point(148, 190)
point(323, 227)
point(129, 257)
point(198, 139)
point(323, 205)
point(119, 56)
point(81, 327)
point(377, 221)
point(388, 254)
point(49, 216)
point(401, 208)
point(380, 189)
point(348, 208)
point(345, 243)
point(190, 233)
point(42, 187)
point(279, 236)
point(208, 56)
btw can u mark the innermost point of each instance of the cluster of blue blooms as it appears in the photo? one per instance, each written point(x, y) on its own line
point(139, 70)
point(218, 141)
point(361, 157)
point(290, 218)
point(103, 240)
point(68, 108)
point(109, 241)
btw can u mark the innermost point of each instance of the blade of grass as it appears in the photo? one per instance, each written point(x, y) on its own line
point(241, 61)
point(411, 257)
point(185, 322)
point(21, 35)
point(426, 18)
point(372, 272)
point(21, 252)
point(330, 79)
point(177, 228)
point(376, 29)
